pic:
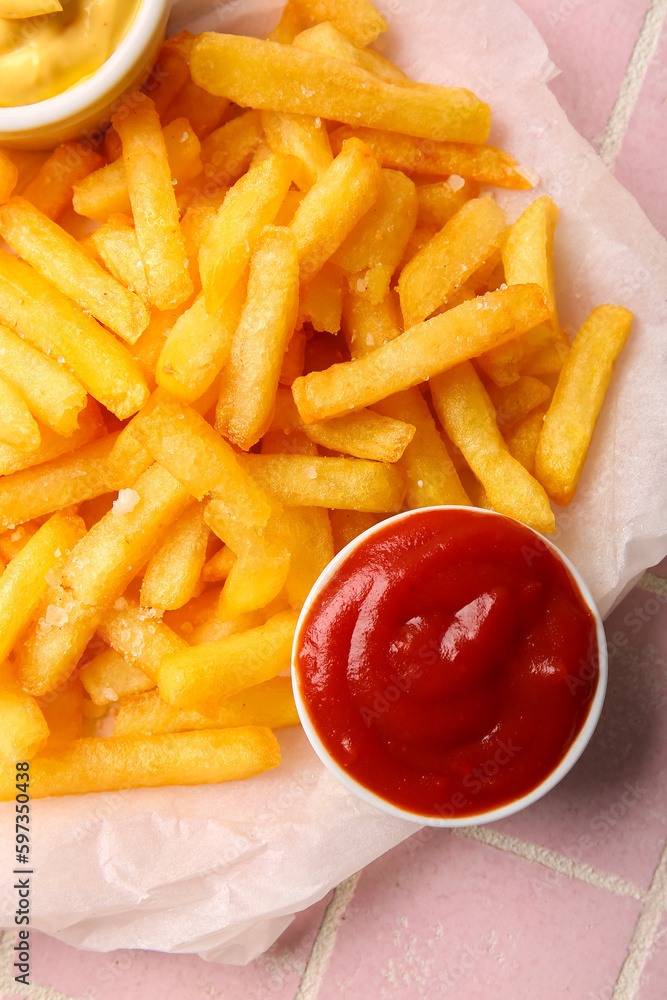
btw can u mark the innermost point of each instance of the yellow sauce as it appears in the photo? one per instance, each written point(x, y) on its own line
point(44, 55)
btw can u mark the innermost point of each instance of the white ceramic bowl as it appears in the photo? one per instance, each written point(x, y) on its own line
point(81, 110)
point(571, 757)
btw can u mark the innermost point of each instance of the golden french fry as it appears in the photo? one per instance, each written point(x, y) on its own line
point(321, 302)
point(352, 483)
point(334, 205)
point(428, 469)
point(522, 437)
point(259, 574)
point(372, 251)
point(348, 524)
point(227, 152)
point(363, 434)
point(438, 202)
point(302, 137)
point(139, 636)
point(53, 445)
point(70, 478)
point(52, 393)
point(50, 190)
point(55, 641)
point(528, 250)
point(367, 326)
point(467, 415)
point(467, 159)
point(174, 571)
point(289, 25)
point(103, 765)
point(269, 704)
point(250, 379)
point(171, 72)
point(421, 352)
point(514, 402)
point(63, 712)
point(32, 307)
point(14, 539)
point(358, 19)
point(219, 565)
point(156, 218)
point(329, 40)
point(9, 175)
point(56, 255)
point(201, 677)
point(450, 258)
point(205, 112)
point(275, 77)
point(233, 234)
point(117, 244)
point(198, 345)
point(109, 677)
point(104, 192)
point(578, 399)
point(311, 549)
point(26, 579)
point(23, 728)
point(18, 427)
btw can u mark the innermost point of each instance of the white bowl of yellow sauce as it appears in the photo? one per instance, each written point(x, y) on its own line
point(63, 73)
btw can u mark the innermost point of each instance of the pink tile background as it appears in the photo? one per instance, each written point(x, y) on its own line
point(447, 916)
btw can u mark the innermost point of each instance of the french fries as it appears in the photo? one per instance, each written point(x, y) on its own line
point(18, 427)
point(173, 573)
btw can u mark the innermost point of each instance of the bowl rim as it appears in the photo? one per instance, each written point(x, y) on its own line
point(502, 812)
point(96, 88)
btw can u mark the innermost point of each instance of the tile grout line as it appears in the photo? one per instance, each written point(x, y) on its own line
point(325, 940)
point(644, 48)
point(8, 984)
point(644, 934)
point(552, 860)
point(654, 584)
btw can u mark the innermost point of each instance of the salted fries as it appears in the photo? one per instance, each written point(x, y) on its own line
point(271, 309)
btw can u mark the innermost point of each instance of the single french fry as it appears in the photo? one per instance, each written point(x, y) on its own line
point(578, 399)
point(96, 764)
point(205, 112)
point(367, 326)
point(201, 677)
point(53, 445)
point(9, 175)
point(63, 712)
point(438, 202)
point(41, 489)
point(358, 19)
point(58, 256)
point(372, 251)
point(55, 641)
point(289, 25)
point(353, 483)
point(139, 636)
point(271, 76)
point(334, 205)
point(32, 307)
point(329, 40)
point(259, 574)
point(117, 244)
point(468, 159)
point(514, 402)
point(349, 524)
point(226, 153)
point(109, 677)
point(421, 352)
point(321, 302)
point(363, 434)
point(250, 379)
point(467, 415)
point(51, 188)
point(428, 469)
point(233, 234)
point(453, 255)
point(52, 393)
point(198, 345)
point(23, 728)
point(219, 565)
point(147, 349)
point(311, 549)
point(528, 250)
point(174, 571)
point(154, 206)
point(521, 437)
point(303, 137)
point(104, 192)
point(18, 427)
point(25, 580)
point(171, 71)
point(14, 539)
point(269, 704)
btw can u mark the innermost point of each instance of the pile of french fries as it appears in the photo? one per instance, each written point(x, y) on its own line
point(273, 307)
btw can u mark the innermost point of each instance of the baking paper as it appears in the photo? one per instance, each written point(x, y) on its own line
point(220, 870)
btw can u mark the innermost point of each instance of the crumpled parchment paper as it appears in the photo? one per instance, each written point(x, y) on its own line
point(219, 870)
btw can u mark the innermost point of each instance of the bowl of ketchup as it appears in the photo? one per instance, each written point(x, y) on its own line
point(449, 666)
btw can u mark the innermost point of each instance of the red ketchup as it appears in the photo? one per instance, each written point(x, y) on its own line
point(449, 663)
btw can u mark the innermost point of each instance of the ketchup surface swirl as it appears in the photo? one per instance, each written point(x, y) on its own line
point(449, 663)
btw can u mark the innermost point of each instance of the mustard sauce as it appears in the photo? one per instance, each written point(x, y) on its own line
point(44, 55)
